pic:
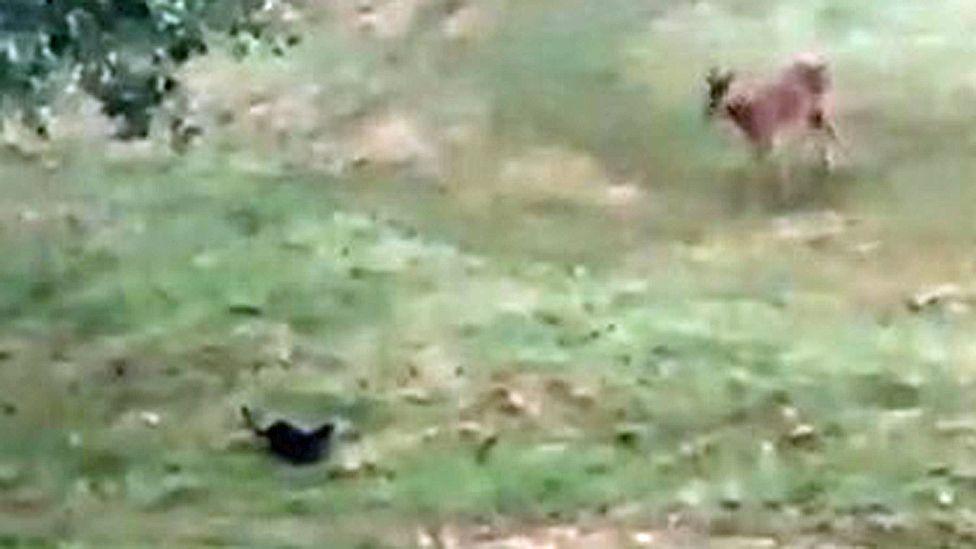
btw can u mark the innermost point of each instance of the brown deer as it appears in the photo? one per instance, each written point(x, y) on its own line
point(799, 98)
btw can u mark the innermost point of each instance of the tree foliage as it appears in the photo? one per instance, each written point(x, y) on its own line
point(123, 53)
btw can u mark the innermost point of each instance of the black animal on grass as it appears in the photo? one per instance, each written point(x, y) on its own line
point(295, 445)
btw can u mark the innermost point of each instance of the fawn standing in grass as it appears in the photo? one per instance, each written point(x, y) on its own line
point(796, 100)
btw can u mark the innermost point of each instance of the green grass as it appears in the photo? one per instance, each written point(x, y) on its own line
point(699, 340)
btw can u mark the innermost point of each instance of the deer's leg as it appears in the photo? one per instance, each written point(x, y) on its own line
point(759, 181)
point(829, 139)
point(775, 187)
point(785, 186)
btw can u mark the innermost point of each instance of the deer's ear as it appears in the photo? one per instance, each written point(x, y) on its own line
point(718, 77)
point(713, 76)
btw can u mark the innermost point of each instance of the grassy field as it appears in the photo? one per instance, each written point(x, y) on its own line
point(507, 224)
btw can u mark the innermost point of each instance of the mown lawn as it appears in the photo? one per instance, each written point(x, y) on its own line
point(569, 263)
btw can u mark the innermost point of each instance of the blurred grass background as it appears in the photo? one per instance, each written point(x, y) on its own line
point(508, 217)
